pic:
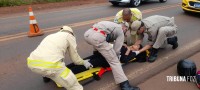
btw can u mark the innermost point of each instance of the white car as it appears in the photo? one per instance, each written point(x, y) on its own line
point(134, 3)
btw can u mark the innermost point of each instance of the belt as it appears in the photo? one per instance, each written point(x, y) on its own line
point(98, 30)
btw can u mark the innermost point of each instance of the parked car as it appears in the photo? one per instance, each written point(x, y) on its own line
point(191, 5)
point(134, 3)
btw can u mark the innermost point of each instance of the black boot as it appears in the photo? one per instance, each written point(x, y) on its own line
point(46, 79)
point(173, 41)
point(153, 55)
point(126, 86)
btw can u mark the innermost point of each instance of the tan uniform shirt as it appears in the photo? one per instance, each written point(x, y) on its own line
point(153, 24)
point(115, 31)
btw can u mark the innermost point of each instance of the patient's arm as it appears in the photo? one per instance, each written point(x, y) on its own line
point(128, 51)
point(125, 45)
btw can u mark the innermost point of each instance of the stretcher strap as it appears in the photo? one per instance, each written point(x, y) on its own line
point(103, 70)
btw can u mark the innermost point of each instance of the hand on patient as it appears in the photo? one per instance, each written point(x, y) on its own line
point(133, 48)
point(87, 64)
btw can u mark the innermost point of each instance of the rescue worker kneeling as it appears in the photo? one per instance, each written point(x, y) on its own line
point(161, 30)
point(47, 58)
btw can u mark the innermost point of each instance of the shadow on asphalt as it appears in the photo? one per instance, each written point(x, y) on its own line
point(192, 14)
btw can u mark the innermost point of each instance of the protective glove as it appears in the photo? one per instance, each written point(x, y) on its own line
point(136, 52)
point(119, 56)
point(87, 64)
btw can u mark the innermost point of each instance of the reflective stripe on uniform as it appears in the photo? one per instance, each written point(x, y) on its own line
point(65, 73)
point(137, 15)
point(45, 64)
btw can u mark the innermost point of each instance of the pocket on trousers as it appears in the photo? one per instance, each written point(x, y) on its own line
point(50, 73)
point(70, 79)
point(98, 39)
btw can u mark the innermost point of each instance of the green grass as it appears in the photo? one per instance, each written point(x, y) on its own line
point(5, 3)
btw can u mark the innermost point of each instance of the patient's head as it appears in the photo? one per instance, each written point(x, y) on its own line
point(135, 47)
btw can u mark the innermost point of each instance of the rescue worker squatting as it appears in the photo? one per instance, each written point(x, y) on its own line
point(47, 58)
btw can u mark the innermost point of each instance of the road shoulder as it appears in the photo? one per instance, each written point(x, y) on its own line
point(160, 82)
point(6, 11)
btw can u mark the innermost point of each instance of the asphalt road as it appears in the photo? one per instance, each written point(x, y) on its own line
point(16, 46)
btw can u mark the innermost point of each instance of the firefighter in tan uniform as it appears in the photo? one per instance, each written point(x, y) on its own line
point(160, 30)
point(99, 36)
point(126, 18)
point(47, 58)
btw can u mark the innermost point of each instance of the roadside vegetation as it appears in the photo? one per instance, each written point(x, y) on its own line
point(5, 3)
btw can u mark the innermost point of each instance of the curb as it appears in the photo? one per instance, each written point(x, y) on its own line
point(142, 74)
